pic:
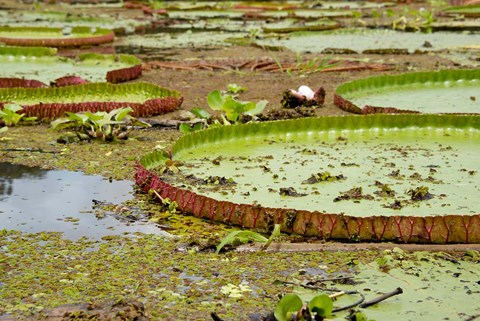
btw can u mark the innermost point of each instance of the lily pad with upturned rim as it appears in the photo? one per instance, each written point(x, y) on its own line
point(55, 37)
point(38, 18)
point(42, 64)
point(446, 91)
point(145, 99)
point(372, 41)
point(466, 11)
point(363, 149)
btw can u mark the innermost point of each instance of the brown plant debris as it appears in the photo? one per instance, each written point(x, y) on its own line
point(323, 177)
point(355, 194)
point(265, 64)
point(290, 191)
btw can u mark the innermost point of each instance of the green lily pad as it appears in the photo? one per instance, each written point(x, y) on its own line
point(45, 66)
point(433, 288)
point(294, 25)
point(55, 19)
point(163, 40)
point(145, 99)
point(54, 37)
point(364, 40)
point(467, 11)
point(447, 91)
point(377, 167)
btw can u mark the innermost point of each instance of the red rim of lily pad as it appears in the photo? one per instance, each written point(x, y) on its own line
point(442, 229)
point(53, 102)
point(19, 82)
point(96, 36)
point(392, 81)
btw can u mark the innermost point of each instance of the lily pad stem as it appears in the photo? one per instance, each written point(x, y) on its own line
point(158, 195)
point(381, 298)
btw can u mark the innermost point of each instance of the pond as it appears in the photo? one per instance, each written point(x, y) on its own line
point(36, 200)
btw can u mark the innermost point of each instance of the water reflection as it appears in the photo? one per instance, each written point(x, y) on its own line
point(10, 172)
point(35, 200)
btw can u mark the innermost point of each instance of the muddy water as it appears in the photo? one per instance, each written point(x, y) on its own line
point(36, 200)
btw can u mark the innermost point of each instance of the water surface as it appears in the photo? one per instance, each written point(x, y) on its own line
point(36, 200)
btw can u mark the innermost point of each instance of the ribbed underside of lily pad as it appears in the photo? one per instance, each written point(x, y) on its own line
point(55, 37)
point(41, 64)
point(258, 175)
point(446, 91)
point(146, 99)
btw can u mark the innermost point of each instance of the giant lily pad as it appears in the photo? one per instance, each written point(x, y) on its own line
point(403, 178)
point(120, 24)
point(447, 91)
point(41, 64)
point(188, 39)
point(366, 40)
point(55, 37)
point(146, 99)
point(467, 11)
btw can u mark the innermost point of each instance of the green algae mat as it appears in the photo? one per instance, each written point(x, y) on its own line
point(446, 91)
point(43, 271)
point(42, 64)
point(404, 178)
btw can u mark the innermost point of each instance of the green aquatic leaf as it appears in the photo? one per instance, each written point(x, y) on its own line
point(201, 113)
point(216, 100)
point(288, 305)
point(120, 113)
point(233, 108)
point(241, 236)
point(235, 88)
point(258, 109)
point(322, 305)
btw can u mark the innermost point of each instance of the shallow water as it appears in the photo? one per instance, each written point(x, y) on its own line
point(36, 200)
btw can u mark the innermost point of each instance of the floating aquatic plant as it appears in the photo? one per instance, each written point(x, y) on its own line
point(38, 66)
point(18, 82)
point(9, 115)
point(55, 37)
point(232, 109)
point(446, 91)
point(106, 126)
point(365, 148)
point(47, 103)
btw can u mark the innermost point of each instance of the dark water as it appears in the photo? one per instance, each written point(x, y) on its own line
point(35, 200)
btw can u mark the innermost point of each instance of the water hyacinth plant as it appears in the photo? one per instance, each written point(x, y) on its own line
point(10, 117)
point(100, 125)
point(232, 109)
